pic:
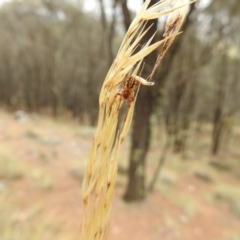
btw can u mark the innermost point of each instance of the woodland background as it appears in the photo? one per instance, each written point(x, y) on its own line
point(54, 56)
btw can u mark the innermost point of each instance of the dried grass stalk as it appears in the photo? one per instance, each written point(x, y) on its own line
point(101, 172)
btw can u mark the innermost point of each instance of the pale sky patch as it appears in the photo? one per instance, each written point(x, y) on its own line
point(90, 5)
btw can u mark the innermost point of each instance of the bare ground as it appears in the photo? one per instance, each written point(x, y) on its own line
point(42, 164)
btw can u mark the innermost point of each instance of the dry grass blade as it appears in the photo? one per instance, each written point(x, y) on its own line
point(172, 27)
point(101, 172)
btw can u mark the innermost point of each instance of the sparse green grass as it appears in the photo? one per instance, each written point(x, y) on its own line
point(185, 203)
point(10, 167)
point(228, 195)
point(42, 179)
point(226, 192)
point(30, 224)
point(232, 236)
point(85, 132)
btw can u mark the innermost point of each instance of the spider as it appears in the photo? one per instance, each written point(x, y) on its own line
point(129, 86)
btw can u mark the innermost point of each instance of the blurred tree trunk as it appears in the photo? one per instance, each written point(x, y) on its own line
point(126, 14)
point(141, 133)
point(221, 79)
point(141, 136)
point(108, 32)
point(217, 130)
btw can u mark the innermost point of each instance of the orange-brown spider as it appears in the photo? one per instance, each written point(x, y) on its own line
point(129, 87)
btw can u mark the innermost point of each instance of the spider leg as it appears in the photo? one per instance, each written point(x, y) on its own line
point(130, 100)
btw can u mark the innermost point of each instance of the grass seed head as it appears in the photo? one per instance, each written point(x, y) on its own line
point(121, 85)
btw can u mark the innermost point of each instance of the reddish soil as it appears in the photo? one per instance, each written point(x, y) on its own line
point(59, 150)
